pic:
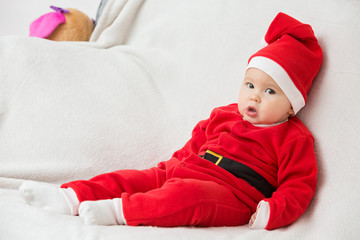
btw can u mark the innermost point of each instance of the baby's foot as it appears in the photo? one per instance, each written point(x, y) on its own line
point(102, 212)
point(49, 197)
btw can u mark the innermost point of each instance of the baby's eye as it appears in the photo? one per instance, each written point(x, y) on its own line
point(270, 91)
point(250, 85)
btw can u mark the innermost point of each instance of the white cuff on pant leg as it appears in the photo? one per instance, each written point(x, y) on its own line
point(119, 211)
point(71, 199)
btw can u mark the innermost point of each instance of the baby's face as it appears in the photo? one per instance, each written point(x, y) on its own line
point(261, 100)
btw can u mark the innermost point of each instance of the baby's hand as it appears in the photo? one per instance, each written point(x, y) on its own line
point(252, 219)
point(260, 218)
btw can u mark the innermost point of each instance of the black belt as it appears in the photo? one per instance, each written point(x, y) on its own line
point(241, 171)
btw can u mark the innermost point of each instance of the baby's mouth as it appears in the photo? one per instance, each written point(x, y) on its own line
point(251, 111)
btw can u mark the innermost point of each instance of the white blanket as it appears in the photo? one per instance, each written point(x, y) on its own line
point(132, 95)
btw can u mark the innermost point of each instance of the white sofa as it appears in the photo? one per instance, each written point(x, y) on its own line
point(131, 96)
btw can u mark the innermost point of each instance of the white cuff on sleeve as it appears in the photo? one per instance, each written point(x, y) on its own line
point(262, 217)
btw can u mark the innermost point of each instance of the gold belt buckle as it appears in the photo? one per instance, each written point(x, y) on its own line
point(216, 155)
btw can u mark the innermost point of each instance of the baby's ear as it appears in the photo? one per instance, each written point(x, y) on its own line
point(291, 112)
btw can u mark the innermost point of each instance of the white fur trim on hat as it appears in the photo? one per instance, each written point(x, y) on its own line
point(281, 77)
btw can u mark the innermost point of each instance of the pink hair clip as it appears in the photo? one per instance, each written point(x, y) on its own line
point(47, 23)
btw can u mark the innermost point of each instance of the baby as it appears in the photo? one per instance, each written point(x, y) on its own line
point(250, 162)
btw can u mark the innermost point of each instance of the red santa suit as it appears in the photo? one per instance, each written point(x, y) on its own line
point(191, 190)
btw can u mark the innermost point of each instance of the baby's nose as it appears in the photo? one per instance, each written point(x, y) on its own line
point(255, 97)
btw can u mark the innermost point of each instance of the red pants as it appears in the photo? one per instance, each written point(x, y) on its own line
point(166, 196)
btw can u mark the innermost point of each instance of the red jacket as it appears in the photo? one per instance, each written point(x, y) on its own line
point(283, 154)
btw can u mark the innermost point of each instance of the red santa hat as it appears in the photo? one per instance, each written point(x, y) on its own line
point(292, 58)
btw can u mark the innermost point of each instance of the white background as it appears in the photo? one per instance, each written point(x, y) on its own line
point(16, 15)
